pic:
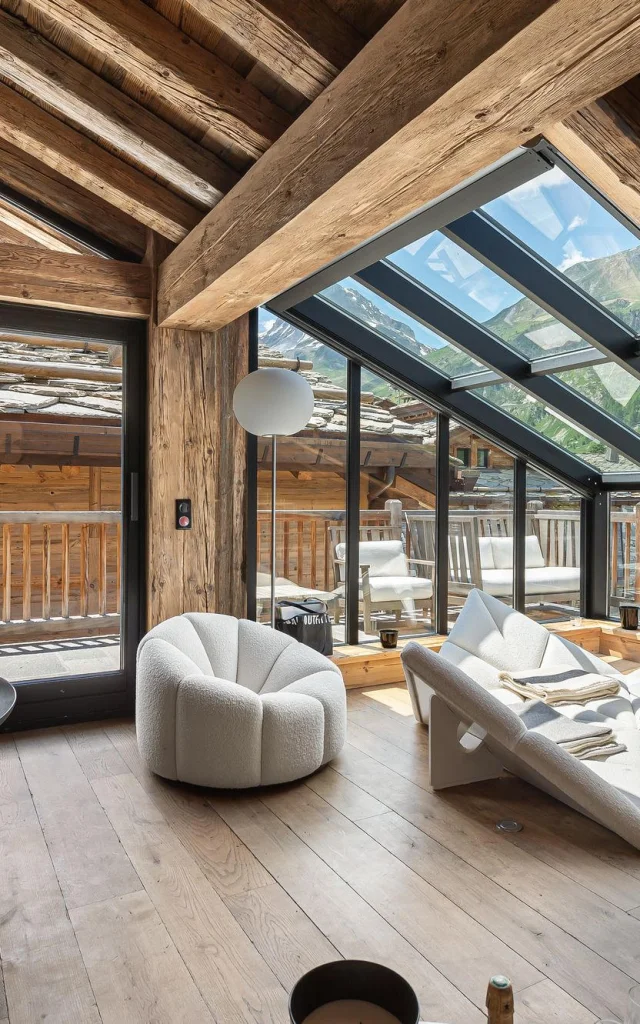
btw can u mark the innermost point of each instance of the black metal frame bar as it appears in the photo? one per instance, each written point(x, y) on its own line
point(432, 311)
point(74, 232)
point(519, 533)
point(352, 567)
point(102, 695)
point(69, 325)
point(595, 540)
point(508, 257)
point(441, 595)
point(354, 340)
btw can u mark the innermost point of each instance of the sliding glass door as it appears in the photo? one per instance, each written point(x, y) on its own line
point(71, 450)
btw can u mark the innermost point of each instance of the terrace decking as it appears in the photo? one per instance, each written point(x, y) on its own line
point(128, 898)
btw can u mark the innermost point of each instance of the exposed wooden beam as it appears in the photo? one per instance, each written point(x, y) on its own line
point(73, 281)
point(305, 44)
point(108, 116)
point(27, 231)
point(64, 196)
point(66, 150)
point(173, 66)
point(60, 371)
point(441, 92)
point(606, 149)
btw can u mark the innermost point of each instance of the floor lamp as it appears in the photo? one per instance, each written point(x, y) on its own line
point(273, 402)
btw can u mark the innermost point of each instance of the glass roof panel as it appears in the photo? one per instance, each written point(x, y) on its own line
point(579, 442)
point(611, 388)
point(387, 320)
point(455, 275)
point(562, 223)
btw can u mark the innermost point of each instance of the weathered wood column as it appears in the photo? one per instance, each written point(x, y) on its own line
point(196, 450)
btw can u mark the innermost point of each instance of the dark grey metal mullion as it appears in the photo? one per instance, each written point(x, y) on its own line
point(75, 232)
point(586, 528)
point(519, 532)
point(355, 340)
point(432, 311)
point(481, 236)
point(441, 592)
point(352, 568)
point(599, 542)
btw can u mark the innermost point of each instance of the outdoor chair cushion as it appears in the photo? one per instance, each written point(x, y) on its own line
point(384, 557)
point(231, 703)
point(551, 579)
point(400, 588)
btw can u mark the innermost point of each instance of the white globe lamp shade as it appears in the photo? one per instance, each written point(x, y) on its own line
point(273, 401)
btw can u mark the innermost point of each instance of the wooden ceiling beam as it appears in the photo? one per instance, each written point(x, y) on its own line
point(605, 147)
point(121, 125)
point(45, 185)
point(304, 44)
point(63, 148)
point(174, 67)
point(73, 281)
point(21, 230)
point(441, 92)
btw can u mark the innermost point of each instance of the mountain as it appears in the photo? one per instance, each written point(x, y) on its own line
point(614, 281)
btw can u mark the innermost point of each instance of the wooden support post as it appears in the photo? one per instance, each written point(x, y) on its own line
point(394, 508)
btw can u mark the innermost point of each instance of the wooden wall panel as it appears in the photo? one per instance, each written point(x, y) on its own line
point(198, 451)
point(57, 488)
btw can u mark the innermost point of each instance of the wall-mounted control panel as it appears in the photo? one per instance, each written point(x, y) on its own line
point(183, 513)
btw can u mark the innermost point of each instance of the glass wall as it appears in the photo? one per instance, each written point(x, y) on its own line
point(397, 510)
point(552, 549)
point(310, 480)
point(625, 549)
point(480, 519)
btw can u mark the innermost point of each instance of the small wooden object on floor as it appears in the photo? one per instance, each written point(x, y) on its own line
point(499, 1001)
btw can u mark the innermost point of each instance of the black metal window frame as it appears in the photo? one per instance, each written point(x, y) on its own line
point(99, 695)
point(607, 339)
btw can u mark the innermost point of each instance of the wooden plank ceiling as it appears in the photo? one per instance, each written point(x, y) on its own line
point(122, 115)
point(126, 115)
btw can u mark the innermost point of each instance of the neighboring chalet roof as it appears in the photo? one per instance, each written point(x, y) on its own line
point(59, 405)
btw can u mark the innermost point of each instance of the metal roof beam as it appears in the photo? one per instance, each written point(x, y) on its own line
point(433, 312)
point(359, 342)
point(514, 262)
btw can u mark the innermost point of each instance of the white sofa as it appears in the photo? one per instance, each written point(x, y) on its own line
point(231, 703)
point(541, 580)
point(474, 732)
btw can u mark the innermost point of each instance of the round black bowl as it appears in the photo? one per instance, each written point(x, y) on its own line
point(354, 979)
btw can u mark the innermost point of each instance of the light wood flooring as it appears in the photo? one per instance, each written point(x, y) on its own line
point(129, 900)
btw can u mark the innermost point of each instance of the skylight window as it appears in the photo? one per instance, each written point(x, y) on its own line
point(562, 223)
point(467, 284)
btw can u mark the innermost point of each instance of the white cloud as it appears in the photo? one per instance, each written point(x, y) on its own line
point(577, 222)
point(572, 255)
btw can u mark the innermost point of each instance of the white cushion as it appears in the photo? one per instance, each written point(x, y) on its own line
point(399, 588)
point(533, 557)
point(384, 557)
point(232, 703)
point(502, 548)
point(497, 634)
point(485, 548)
point(552, 579)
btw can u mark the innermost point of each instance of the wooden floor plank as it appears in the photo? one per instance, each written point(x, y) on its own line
point(44, 976)
point(343, 795)
point(236, 983)
point(471, 835)
point(227, 863)
point(351, 925)
point(463, 950)
point(94, 751)
point(583, 974)
point(404, 733)
point(287, 939)
point(545, 1003)
point(136, 972)
point(90, 863)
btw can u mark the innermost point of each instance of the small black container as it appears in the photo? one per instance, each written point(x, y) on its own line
point(629, 616)
point(354, 979)
point(389, 638)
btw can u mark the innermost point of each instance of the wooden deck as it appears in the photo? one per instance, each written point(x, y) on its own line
point(128, 899)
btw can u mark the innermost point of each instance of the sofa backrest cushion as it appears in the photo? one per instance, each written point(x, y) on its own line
point(497, 634)
point(485, 548)
point(502, 551)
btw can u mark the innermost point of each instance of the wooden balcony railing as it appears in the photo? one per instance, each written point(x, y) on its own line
point(60, 574)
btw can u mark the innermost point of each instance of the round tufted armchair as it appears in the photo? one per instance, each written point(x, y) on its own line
point(231, 703)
